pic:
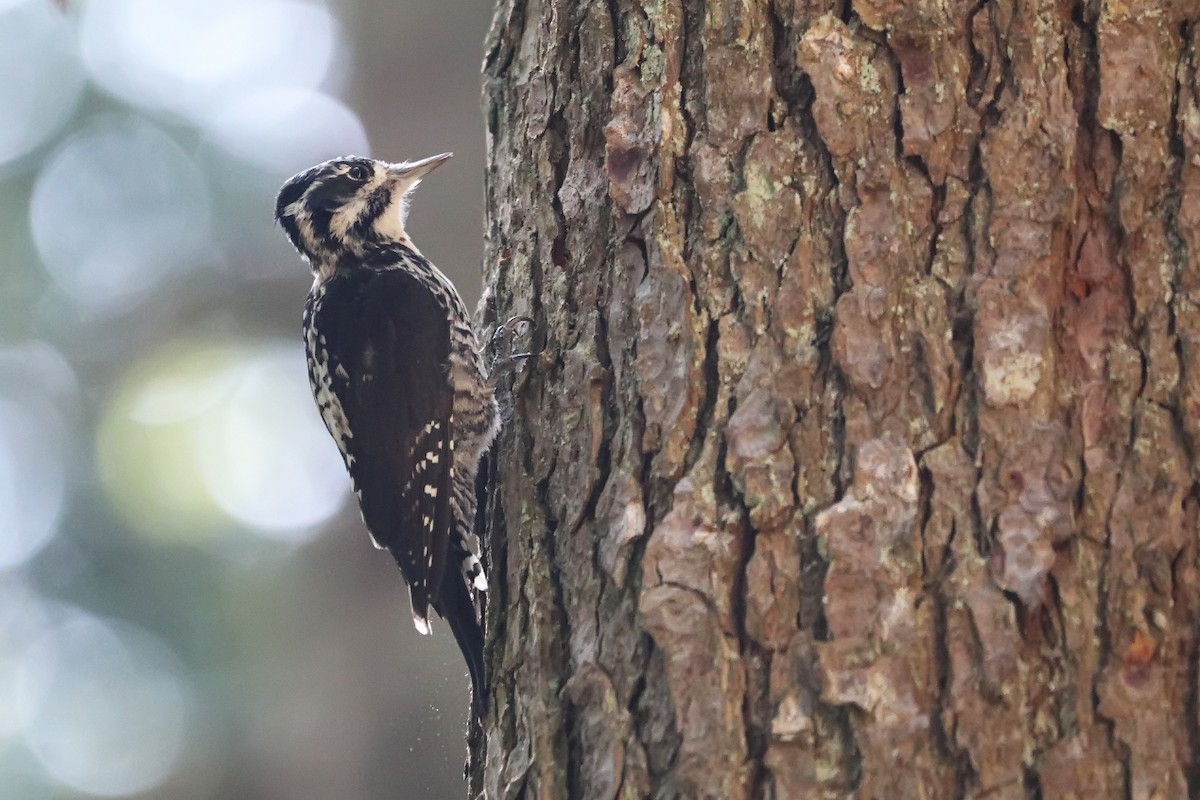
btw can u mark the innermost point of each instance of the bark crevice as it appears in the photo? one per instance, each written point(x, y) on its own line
point(860, 459)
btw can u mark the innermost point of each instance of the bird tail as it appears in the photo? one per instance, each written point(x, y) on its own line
point(457, 608)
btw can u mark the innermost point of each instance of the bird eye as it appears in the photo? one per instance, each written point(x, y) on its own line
point(358, 173)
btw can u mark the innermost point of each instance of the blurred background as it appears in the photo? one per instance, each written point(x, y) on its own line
point(189, 604)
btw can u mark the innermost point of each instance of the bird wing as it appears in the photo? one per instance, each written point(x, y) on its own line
point(388, 345)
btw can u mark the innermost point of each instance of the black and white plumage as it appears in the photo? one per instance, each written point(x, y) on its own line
point(398, 377)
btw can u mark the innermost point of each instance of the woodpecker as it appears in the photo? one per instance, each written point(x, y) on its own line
point(399, 379)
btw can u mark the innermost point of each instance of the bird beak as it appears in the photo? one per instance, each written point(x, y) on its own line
point(410, 173)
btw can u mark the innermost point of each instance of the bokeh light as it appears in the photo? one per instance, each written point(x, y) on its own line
point(41, 78)
point(32, 479)
point(203, 437)
point(34, 447)
point(286, 130)
point(189, 56)
point(117, 210)
point(23, 618)
point(104, 705)
point(263, 454)
point(173, 623)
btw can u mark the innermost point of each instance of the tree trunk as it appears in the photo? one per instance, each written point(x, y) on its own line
point(859, 459)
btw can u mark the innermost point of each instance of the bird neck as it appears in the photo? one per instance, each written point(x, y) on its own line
point(376, 254)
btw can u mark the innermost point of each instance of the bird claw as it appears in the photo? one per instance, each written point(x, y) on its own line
point(506, 333)
point(505, 361)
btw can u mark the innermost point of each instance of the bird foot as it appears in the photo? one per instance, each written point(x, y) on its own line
point(504, 360)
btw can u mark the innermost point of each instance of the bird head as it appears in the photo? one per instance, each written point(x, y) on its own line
point(345, 207)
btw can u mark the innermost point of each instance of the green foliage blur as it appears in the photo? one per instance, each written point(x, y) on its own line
point(189, 604)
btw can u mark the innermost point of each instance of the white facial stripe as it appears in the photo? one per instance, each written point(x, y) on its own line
point(390, 223)
point(344, 218)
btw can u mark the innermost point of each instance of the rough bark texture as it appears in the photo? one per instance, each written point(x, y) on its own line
point(860, 457)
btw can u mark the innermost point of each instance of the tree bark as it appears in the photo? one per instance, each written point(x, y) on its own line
point(859, 459)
